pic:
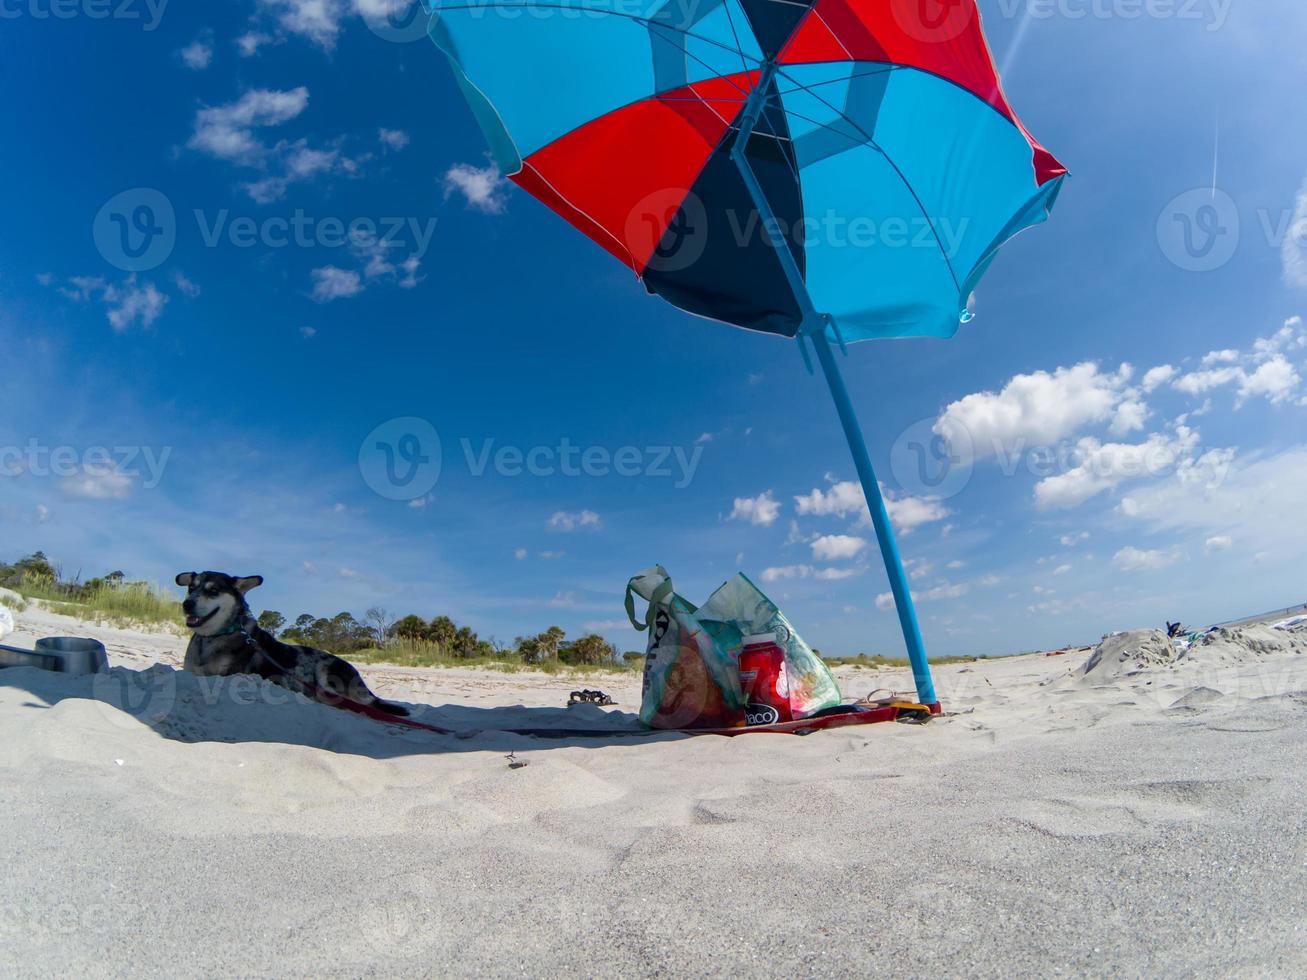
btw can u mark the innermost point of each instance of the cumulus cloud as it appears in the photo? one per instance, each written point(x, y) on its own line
point(332, 283)
point(1102, 466)
point(396, 139)
point(946, 590)
point(1218, 542)
point(1035, 409)
point(837, 547)
point(227, 131)
point(1263, 372)
point(762, 510)
point(198, 55)
point(1132, 559)
point(127, 303)
point(317, 20)
point(565, 521)
point(481, 188)
point(99, 483)
point(845, 499)
point(1154, 378)
point(770, 575)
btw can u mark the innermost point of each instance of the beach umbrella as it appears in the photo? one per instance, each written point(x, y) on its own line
point(823, 170)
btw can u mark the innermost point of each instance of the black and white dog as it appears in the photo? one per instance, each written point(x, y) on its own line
point(228, 640)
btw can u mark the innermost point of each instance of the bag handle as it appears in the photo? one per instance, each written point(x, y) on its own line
point(657, 596)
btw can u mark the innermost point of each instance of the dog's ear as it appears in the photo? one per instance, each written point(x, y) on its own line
point(244, 585)
point(185, 579)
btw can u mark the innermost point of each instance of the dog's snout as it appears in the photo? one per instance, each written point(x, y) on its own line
point(188, 607)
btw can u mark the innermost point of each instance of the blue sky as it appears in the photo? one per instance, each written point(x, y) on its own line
point(242, 377)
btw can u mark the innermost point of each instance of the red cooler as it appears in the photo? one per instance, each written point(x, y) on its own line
point(764, 681)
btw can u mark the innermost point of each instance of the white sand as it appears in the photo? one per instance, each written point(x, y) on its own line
point(1143, 820)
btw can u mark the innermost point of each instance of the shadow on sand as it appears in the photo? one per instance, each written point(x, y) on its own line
point(182, 707)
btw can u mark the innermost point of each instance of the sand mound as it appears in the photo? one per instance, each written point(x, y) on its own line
point(1123, 654)
point(1249, 644)
point(1138, 651)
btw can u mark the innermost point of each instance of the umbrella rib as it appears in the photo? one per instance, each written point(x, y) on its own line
point(735, 34)
point(948, 263)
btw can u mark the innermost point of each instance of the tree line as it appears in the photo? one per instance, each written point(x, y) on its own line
point(343, 633)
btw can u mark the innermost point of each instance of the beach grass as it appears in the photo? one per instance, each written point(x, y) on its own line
point(877, 661)
point(125, 604)
point(419, 653)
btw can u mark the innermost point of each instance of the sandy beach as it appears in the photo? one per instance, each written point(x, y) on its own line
point(1144, 819)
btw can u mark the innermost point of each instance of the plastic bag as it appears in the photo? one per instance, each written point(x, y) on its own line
point(739, 609)
point(691, 670)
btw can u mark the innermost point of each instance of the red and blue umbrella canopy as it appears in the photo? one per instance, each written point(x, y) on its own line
point(892, 163)
point(828, 169)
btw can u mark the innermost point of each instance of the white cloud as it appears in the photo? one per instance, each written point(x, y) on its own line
point(482, 188)
point(1131, 559)
point(1154, 378)
point(332, 283)
point(396, 139)
point(1198, 382)
point(845, 498)
point(563, 600)
point(1104, 466)
point(1256, 500)
point(841, 500)
point(1130, 417)
point(807, 571)
point(317, 20)
point(308, 333)
point(128, 302)
point(1071, 540)
point(909, 513)
point(248, 44)
point(946, 590)
point(98, 483)
point(564, 521)
point(1276, 380)
point(1035, 409)
point(227, 131)
point(761, 510)
point(1293, 251)
point(1061, 569)
point(198, 55)
point(1219, 542)
point(837, 547)
point(1263, 372)
point(185, 286)
point(520, 554)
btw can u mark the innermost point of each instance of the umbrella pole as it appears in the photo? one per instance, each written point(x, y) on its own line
point(814, 327)
point(889, 548)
